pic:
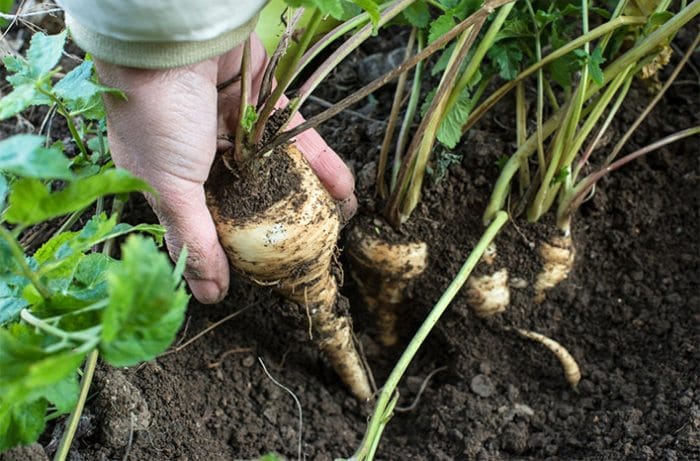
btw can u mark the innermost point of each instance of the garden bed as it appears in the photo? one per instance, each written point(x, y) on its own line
point(629, 314)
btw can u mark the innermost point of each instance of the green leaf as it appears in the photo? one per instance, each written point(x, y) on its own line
point(594, 69)
point(81, 94)
point(507, 58)
point(4, 187)
point(45, 52)
point(372, 9)
point(64, 394)
point(11, 303)
point(330, 7)
point(142, 318)
point(31, 201)
point(21, 423)
point(19, 99)
point(28, 371)
point(25, 155)
point(250, 116)
point(450, 130)
point(18, 70)
point(443, 24)
point(417, 14)
point(656, 20)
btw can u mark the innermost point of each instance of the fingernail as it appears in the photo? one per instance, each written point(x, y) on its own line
point(206, 291)
point(348, 207)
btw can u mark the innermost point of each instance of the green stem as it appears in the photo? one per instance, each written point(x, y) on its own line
point(411, 109)
point(351, 44)
point(21, 260)
point(388, 391)
point(82, 335)
point(477, 58)
point(392, 121)
point(606, 124)
point(500, 190)
point(286, 80)
point(540, 97)
point(239, 151)
point(521, 134)
point(618, 147)
point(69, 120)
point(559, 52)
point(573, 200)
point(74, 418)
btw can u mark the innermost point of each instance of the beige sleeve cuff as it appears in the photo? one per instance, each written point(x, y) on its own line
point(156, 55)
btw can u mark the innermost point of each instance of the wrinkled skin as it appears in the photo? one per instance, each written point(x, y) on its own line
point(166, 133)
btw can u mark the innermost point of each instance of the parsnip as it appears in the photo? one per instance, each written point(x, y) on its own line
point(383, 272)
point(572, 371)
point(489, 294)
point(290, 246)
point(558, 260)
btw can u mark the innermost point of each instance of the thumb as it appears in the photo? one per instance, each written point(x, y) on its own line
point(189, 223)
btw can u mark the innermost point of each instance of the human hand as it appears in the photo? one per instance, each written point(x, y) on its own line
point(166, 133)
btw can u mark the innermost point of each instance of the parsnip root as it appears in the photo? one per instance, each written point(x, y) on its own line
point(572, 372)
point(290, 247)
point(383, 272)
point(489, 294)
point(558, 260)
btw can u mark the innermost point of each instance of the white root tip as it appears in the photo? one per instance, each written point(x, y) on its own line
point(572, 372)
point(558, 260)
point(489, 294)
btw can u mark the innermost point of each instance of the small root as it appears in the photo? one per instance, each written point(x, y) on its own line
point(422, 389)
point(236, 350)
point(296, 401)
point(558, 258)
point(572, 372)
point(489, 294)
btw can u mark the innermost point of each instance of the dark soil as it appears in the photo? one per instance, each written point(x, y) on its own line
point(251, 187)
point(630, 314)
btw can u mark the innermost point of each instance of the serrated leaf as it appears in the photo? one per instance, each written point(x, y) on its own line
point(80, 94)
point(21, 423)
point(450, 130)
point(31, 201)
point(141, 320)
point(19, 99)
point(507, 58)
point(45, 52)
point(18, 70)
point(463, 8)
point(594, 62)
point(417, 14)
point(440, 26)
point(28, 371)
point(25, 155)
point(11, 303)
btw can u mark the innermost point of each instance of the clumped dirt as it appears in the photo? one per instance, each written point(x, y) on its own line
point(629, 314)
point(251, 187)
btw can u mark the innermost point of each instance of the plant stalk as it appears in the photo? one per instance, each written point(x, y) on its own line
point(392, 121)
point(18, 256)
point(74, 418)
point(381, 413)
